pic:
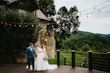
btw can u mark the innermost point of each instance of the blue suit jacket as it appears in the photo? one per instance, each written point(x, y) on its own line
point(30, 54)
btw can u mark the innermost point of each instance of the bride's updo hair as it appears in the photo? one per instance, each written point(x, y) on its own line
point(41, 45)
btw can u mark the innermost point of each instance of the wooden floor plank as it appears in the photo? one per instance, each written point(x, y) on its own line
point(20, 68)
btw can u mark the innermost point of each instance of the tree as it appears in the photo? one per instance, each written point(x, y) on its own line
point(48, 7)
point(67, 21)
point(17, 29)
point(85, 47)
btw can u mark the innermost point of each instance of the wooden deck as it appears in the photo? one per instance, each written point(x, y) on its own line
point(20, 68)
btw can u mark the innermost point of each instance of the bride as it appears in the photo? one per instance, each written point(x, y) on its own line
point(41, 62)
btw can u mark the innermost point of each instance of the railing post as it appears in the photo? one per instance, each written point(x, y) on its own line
point(64, 60)
point(58, 57)
point(90, 60)
point(109, 62)
point(73, 59)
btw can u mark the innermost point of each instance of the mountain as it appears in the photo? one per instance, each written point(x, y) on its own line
point(81, 34)
point(103, 35)
point(85, 41)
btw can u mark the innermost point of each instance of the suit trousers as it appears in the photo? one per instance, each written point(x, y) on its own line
point(31, 61)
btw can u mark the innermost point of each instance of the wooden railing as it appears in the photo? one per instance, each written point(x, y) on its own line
point(99, 61)
point(71, 55)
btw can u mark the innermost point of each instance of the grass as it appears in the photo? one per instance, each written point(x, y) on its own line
point(78, 58)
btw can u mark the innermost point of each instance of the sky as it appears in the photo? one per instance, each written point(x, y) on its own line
point(94, 14)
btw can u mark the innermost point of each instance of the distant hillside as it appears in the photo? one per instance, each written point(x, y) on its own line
point(81, 34)
point(85, 41)
point(103, 35)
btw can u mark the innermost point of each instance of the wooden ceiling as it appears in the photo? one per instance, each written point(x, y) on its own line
point(29, 5)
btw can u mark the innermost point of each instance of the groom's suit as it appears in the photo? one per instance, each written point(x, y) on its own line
point(30, 55)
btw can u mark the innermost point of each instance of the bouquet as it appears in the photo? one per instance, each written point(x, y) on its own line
point(45, 57)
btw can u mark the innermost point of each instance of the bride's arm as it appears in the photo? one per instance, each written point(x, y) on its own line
point(44, 49)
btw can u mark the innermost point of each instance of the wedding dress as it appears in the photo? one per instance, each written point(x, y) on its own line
point(42, 64)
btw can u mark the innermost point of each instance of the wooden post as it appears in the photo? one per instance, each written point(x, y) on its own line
point(58, 57)
point(73, 59)
point(90, 60)
point(109, 62)
point(64, 60)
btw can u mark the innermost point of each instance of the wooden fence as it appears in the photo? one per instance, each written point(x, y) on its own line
point(98, 61)
point(62, 60)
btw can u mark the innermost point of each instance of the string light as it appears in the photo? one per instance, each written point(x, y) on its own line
point(96, 8)
point(9, 24)
point(99, 10)
point(15, 25)
point(1, 22)
point(19, 24)
point(6, 24)
point(32, 25)
point(36, 25)
point(87, 15)
point(26, 25)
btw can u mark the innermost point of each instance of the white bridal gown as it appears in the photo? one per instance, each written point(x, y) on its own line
point(40, 63)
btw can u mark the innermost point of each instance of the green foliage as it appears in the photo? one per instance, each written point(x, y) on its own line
point(84, 41)
point(17, 16)
point(85, 47)
point(67, 21)
point(17, 38)
point(48, 7)
point(79, 58)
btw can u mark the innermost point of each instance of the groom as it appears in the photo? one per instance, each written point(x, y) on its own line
point(30, 55)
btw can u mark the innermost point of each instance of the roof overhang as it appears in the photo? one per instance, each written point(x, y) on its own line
point(3, 2)
point(41, 15)
point(29, 5)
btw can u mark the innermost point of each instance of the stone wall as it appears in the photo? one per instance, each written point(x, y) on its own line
point(47, 38)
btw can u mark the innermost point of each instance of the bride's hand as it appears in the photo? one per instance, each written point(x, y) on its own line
point(35, 58)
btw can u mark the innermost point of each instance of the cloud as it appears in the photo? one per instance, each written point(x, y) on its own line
point(96, 22)
point(96, 25)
